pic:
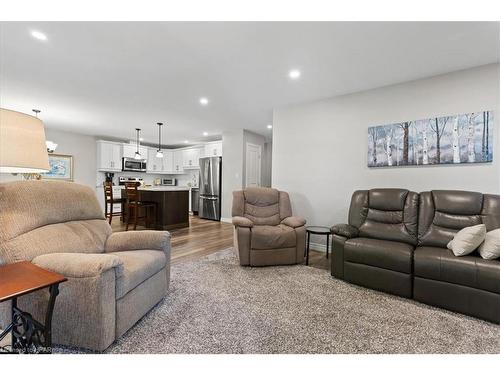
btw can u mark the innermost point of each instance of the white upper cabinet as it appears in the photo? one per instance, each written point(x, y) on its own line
point(154, 164)
point(191, 157)
point(164, 165)
point(177, 161)
point(213, 149)
point(130, 149)
point(109, 156)
point(168, 161)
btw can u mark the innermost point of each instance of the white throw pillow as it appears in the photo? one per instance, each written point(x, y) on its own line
point(467, 240)
point(490, 248)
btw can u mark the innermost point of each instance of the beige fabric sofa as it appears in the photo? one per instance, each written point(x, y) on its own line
point(266, 233)
point(113, 279)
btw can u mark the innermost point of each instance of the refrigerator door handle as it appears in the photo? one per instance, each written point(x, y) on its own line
point(210, 198)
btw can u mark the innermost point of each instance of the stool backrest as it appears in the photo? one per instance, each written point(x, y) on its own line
point(108, 191)
point(131, 192)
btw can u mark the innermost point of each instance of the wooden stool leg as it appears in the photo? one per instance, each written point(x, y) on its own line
point(136, 208)
point(105, 209)
point(128, 217)
point(110, 212)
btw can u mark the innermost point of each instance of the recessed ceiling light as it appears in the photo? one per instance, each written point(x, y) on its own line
point(38, 35)
point(186, 141)
point(205, 133)
point(269, 126)
point(203, 101)
point(294, 74)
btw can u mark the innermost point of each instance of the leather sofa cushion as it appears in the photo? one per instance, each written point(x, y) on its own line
point(272, 237)
point(471, 270)
point(138, 266)
point(391, 255)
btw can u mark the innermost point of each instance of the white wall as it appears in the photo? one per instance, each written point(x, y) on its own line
point(232, 169)
point(83, 149)
point(320, 148)
point(267, 163)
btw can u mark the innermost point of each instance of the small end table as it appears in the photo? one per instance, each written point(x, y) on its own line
point(16, 280)
point(319, 230)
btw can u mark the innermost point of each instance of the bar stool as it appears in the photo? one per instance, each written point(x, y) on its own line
point(109, 200)
point(134, 204)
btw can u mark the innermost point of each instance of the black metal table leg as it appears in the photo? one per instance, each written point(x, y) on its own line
point(29, 335)
point(327, 245)
point(307, 251)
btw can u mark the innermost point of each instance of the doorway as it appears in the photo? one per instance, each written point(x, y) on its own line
point(253, 165)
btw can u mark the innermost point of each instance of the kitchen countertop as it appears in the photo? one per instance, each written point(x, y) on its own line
point(156, 188)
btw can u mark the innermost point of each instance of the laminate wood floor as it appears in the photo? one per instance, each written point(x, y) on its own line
point(204, 237)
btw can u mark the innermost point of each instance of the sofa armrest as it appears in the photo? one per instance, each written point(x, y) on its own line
point(141, 240)
point(293, 221)
point(240, 221)
point(79, 265)
point(345, 230)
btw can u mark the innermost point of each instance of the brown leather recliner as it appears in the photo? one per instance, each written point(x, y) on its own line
point(266, 233)
point(467, 284)
point(376, 248)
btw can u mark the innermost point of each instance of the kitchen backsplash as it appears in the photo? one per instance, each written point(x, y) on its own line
point(189, 178)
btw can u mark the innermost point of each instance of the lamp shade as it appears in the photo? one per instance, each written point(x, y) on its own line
point(22, 143)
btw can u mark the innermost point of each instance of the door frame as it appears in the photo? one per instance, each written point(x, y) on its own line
point(259, 147)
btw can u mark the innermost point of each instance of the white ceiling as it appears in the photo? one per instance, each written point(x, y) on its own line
point(106, 79)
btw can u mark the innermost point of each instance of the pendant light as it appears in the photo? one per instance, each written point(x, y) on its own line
point(159, 152)
point(137, 153)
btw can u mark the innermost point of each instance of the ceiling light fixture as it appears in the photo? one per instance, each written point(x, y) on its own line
point(186, 141)
point(159, 152)
point(39, 35)
point(294, 74)
point(204, 101)
point(51, 146)
point(205, 134)
point(269, 126)
point(137, 155)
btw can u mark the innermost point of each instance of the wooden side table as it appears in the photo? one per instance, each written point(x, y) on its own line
point(16, 280)
point(325, 231)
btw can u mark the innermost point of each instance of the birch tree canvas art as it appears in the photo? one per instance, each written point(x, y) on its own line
point(459, 139)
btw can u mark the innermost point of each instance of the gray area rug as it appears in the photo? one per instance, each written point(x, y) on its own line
point(216, 306)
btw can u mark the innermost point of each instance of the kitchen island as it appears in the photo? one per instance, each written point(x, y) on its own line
point(172, 205)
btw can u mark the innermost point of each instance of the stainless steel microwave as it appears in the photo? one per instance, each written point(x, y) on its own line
point(169, 181)
point(133, 165)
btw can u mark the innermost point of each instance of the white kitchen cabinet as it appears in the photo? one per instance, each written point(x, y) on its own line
point(191, 158)
point(213, 149)
point(168, 162)
point(130, 149)
point(154, 164)
point(177, 161)
point(109, 158)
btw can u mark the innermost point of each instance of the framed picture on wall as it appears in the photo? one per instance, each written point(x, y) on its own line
point(457, 139)
point(61, 168)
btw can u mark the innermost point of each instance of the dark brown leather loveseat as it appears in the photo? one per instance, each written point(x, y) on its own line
point(396, 242)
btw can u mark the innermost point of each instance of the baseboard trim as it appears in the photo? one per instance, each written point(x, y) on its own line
point(226, 220)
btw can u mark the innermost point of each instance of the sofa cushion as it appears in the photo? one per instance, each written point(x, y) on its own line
point(138, 266)
point(440, 264)
point(391, 255)
point(490, 248)
point(272, 237)
point(467, 240)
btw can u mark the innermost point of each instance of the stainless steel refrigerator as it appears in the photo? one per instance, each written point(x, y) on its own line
point(210, 188)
